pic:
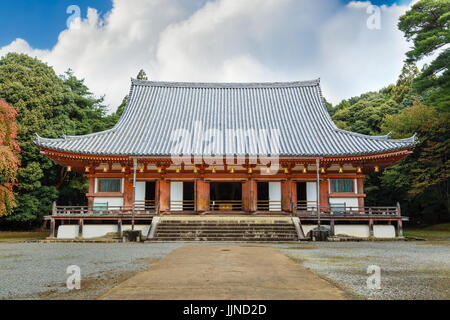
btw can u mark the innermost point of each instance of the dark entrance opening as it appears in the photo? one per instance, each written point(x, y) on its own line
point(150, 193)
point(188, 196)
point(263, 196)
point(226, 196)
point(301, 196)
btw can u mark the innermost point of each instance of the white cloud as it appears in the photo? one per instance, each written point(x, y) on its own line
point(228, 40)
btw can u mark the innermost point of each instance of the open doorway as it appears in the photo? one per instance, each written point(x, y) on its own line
point(182, 196)
point(226, 196)
point(269, 196)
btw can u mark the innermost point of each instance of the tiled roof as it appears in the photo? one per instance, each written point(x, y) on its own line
point(156, 109)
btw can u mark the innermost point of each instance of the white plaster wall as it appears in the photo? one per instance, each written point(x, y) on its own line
point(112, 201)
point(176, 194)
point(349, 202)
point(379, 231)
point(140, 192)
point(354, 230)
point(311, 193)
point(67, 232)
point(95, 230)
point(384, 231)
point(275, 195)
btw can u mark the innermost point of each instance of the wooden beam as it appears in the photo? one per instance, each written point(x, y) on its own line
point(164, 195)
point(371, 228)
point(399, 228)
point(80, 227)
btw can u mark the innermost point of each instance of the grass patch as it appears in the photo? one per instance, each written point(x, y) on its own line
point(19, 236)
point(438, 232)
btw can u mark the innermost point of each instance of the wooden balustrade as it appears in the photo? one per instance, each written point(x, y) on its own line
point(269, 205)
point(182, 205)
point(225, 205)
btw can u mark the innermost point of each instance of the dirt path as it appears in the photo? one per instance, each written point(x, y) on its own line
point(225, 272)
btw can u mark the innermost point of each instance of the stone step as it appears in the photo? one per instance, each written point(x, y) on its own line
point(243, 239)
point(160, 232)
point(194, 232)
point(227, 224)
point(163, 227)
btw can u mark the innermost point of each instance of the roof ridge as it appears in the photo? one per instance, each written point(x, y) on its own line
point(281, 84)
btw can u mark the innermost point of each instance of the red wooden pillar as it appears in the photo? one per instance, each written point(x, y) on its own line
point(203, 190)
point(90, 194)
point(294, 193)
point(286, 195)
point(127, 192)
point(249, 196)
point(323, 190)
point(164, 195)
point(360, 191)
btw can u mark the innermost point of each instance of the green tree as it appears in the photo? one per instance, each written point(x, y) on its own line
point(427, 25)
point(49, 106)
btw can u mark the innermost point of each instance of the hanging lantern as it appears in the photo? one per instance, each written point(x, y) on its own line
point(141, 169)
point(322, 170)
point(159, 169)
point(105, 168)
point(377, 169)
point(86, 169)
point(267, 170)
point(341, 169)
point(123, 169)
point(177, 170)
point(232, 170)
point(358, 170)
point(213, 170)
point(250, 170)
point(305, 170)
point(286, 170)
point(195, 170)
point(69, 168)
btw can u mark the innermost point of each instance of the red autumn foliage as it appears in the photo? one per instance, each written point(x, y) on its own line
point(9, 162)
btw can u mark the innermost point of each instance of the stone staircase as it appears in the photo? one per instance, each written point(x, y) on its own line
point(216, 229)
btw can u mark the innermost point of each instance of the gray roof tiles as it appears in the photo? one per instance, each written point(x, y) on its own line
point(156, 109)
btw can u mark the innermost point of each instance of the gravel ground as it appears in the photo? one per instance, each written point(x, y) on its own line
point(38, 270)
point(409, 270)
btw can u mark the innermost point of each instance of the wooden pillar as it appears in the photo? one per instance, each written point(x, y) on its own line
point(399, 228)
point(294, 194)
point(52, 228)
point(164, 195)
point(80, 227)
point(203, 189)
point(119, 228)
point(249, 196)
point(286, 195)
point(332, 227)
point(90, 194)
point(360, 191)
point(371, 228)
point(127, 192)
point(323, 190)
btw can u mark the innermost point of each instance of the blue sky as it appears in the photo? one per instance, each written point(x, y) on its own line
point(40, 21)
point(212, 40)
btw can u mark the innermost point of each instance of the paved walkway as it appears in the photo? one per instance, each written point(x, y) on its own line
point(225, 272)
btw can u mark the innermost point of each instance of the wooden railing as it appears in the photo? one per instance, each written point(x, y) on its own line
point(349, 211)
point(269, 205)
point(182, 205)
point(225, 205)
point(306, 205)
point(102, 210)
